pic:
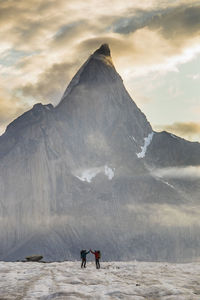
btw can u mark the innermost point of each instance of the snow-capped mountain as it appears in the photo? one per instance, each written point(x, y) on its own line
point(91, 173)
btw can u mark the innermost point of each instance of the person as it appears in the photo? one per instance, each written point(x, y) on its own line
point(97, 255)
point(84, 254)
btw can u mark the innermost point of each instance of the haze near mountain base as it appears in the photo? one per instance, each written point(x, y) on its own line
point(91, 173)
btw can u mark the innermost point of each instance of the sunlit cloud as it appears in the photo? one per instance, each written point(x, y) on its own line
point(178, 172)
point(50, 84)
point(168, 215)
point(189, 130)
point(194, 76)
point(10, 107)
point(44, 43)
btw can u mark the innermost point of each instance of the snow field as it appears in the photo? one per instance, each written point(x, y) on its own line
point(115, 280)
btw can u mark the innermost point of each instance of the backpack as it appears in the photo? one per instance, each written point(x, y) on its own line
point(99, 254)
point(82, 253)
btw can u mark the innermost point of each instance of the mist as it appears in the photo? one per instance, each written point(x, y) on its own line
point(178, 172)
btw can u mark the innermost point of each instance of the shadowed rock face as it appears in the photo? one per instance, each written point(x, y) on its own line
point(83, 175)
point(104, 50)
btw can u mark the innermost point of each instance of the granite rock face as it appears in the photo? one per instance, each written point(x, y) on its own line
point(91, 173)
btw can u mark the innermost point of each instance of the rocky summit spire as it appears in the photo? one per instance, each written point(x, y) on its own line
point(97, 70)
point(104, 50)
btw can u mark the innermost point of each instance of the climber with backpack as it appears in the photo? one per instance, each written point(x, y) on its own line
point(83, 255)
point(97, 255)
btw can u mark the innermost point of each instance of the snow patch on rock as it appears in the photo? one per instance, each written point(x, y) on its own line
point(109, 172)
point(167, 183)
point(88, 174)
point(147, 142)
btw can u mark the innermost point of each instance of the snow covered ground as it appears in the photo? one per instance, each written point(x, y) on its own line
point(123, 280)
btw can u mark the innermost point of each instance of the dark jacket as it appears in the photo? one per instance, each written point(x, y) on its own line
point(84, 254)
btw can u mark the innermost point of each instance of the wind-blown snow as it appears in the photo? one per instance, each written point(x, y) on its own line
point(147, 142)
point(116, 280)
point(88, 174)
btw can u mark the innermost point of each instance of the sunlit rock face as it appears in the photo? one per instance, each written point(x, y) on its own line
point(84, 175)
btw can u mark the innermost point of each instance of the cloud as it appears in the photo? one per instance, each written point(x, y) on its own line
point(177, 216)
point(170, 33)
point(178, 23)
point(48, 41)
point(190, 130)
point(51, 83)
point(166, 215)
point(194, 76)
point(173, 22)
point(70, 33)
point(190, 172)
point(10, 107)
point(139, 19)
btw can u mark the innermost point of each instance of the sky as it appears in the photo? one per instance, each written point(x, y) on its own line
point(155, 46)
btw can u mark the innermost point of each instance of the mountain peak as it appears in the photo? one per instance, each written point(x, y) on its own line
point(104, 50)
point(93, 69)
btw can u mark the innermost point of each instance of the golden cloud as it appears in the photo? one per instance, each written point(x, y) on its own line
point(10, 107)
point(51, 83)
point(189, 130)
point(168, 215)
point(178, 23)
point(59, 35)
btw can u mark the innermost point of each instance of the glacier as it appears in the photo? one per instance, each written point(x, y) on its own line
point(115, 280)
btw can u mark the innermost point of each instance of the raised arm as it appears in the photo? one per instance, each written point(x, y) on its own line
point(92, 251)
